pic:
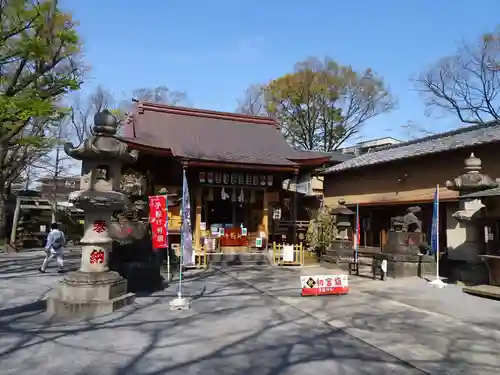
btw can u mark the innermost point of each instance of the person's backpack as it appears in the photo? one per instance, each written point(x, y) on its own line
point(58, 242)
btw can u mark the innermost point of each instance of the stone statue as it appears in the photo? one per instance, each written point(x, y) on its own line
point(408, 222)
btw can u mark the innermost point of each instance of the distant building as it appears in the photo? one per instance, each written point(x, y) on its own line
point(370, 146)
point(64, 186)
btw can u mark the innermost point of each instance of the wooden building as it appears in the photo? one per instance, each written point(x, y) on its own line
point(386, 182)
point(235, 166)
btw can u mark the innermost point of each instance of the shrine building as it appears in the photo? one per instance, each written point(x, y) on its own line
point(235, 166)
point(385, 182)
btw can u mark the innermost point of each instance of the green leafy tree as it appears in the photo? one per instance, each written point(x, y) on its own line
point(39, 63)
point(322, 104)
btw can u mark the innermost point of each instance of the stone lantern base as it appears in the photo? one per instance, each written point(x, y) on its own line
point(88, 294)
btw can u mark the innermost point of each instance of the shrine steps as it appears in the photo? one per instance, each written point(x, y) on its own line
point(237, 259)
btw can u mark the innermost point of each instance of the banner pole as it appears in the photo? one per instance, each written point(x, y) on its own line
point(181, 303)
point(168, 242)
point(437, 232)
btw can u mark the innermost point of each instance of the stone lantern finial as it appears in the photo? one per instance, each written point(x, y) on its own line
point(472, 164)
point(105, 123)
point(472, 180)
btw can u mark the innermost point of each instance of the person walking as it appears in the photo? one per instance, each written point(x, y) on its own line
point(54, 248)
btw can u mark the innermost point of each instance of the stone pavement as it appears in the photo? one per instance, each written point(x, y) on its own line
point(243, 321)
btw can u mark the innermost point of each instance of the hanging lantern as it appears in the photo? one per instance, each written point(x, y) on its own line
point(241, 179)
point(269, 180)
point(217, 178)
point(248, 179)
point(225, 178)
point(234, 178)
point(202, 177)
point(262, 180)
point(210, 177)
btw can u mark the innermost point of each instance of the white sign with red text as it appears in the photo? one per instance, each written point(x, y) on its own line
point(319, 285)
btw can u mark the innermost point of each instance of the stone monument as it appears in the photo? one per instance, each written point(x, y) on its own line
point(94, 289)
point(466, 239)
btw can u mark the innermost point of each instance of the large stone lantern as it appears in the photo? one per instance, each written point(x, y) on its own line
point(466, 240)
point(343, 217)
point(94, 289)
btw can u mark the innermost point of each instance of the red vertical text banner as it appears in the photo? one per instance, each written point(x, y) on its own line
point(158, 219)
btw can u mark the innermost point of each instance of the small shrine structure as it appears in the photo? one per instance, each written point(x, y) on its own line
point(94, 289)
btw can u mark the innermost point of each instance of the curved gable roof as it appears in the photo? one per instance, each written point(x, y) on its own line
point(214, 136)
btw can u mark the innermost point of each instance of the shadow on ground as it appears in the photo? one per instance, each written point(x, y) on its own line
point(236, 328)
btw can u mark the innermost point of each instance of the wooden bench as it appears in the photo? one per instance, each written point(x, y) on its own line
point(376, 262)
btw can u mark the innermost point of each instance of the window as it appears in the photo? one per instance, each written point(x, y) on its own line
point(70, 184)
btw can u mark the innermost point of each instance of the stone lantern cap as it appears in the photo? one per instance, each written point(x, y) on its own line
point(472, 180)
point(341, 209)
point(103, 143)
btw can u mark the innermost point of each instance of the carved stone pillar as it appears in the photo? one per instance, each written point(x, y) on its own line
point(93, 289)
point(466, 236)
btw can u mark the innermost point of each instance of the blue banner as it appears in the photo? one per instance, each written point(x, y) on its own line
point(186, 234)
point(435, 224)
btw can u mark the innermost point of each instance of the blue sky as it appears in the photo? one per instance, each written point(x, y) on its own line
point(215, 49)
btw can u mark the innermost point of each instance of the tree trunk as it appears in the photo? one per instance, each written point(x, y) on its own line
point(3, 213)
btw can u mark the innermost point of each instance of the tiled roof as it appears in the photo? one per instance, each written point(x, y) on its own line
point(213, 136)
point(483, 194)
point(335, 156)
point(461, 138)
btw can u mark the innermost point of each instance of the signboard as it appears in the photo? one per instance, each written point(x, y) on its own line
point(258, 242)
point(235, 179)
point(288, 253)
point(158, 220)
point(319, 285)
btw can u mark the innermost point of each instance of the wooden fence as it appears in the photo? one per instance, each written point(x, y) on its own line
point(287, 255)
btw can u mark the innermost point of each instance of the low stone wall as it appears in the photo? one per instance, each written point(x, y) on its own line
point(398, 265)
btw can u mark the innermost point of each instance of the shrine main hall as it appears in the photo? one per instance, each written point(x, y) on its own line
point(235, 166)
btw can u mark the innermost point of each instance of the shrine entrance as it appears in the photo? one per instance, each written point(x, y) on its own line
point(231, 219)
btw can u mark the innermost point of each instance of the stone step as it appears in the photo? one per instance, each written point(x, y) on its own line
point(235, 259)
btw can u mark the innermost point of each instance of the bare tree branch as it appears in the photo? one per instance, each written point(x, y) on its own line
point(466, 84)
point(253, 102)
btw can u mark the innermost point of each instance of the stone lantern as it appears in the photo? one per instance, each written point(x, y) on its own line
point(94, 289)
point(466, 239)
point(343, 220)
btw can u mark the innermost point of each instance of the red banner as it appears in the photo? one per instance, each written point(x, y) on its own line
point(158, 220)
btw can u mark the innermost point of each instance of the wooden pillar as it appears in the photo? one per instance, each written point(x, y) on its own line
point(294, 205)
point(265, 214)
point(197, 225)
